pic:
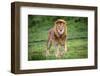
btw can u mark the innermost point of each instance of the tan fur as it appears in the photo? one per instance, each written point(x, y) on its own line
point(56, 39)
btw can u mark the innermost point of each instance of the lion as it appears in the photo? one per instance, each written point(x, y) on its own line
point(57, 36)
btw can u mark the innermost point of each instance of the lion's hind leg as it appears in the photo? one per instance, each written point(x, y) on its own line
point(48, 47)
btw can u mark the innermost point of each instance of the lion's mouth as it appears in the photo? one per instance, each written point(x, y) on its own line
point(61, 31)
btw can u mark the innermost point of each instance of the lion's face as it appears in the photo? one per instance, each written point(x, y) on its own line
point(60, 27)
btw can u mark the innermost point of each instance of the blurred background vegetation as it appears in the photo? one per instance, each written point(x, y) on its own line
point(38, 26)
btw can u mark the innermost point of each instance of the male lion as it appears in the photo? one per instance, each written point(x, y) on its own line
point(57, 37)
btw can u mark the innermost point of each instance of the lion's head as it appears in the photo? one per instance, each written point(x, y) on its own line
point(60, 27)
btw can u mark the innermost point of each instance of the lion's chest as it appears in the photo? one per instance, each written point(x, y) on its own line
point(60, 40)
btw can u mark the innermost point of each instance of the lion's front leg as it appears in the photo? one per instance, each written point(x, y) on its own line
point(57, 53)
point(57, 50)
point(65, 47)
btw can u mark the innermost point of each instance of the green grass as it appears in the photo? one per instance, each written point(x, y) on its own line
point(77, 48)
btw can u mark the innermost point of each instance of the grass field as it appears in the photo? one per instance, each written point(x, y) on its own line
point(76, 49)
point(37, 38)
